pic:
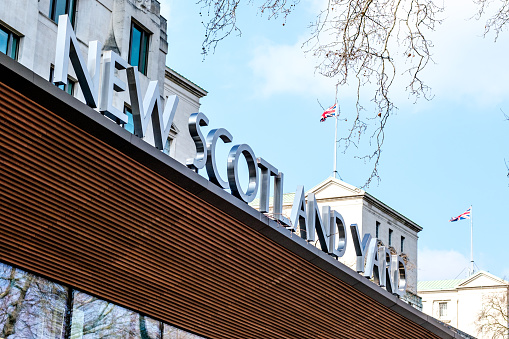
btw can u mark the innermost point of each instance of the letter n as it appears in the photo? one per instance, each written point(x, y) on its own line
point(68, 48)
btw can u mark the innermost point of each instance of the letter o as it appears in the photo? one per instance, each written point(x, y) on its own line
point(233, 173)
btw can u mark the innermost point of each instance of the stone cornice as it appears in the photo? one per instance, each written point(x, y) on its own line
point(186, 84)
point(391, 212)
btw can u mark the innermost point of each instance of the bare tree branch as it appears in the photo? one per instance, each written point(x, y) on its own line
point(356, 40)
point(222, 17)
point(493, 319)
point(371, 43)
point(498, 20)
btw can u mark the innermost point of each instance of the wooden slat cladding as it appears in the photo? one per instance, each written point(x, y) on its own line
point(78, 211)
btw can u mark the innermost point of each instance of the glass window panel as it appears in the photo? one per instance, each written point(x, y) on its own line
point(59, 7)
point(14, 47)
point(30, 307)
point(442, 309)
point(94, 318)
point(130, 123)
point(171, 332)
point(4, 40)
point(144, 53)
point(72, 9)
point(167, 146)
point(70, 86)
point(138, 54)
point(134, 56)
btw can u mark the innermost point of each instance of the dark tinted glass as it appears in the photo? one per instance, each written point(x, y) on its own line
point(72, 9)
point(60, 7)
point(70, 86)
point(144, 54)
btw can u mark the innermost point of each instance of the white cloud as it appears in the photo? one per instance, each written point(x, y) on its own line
point(436, 264)
point(468, 66)
point(283, 68)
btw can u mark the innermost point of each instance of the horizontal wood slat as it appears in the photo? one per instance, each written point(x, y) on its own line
point(76, 210)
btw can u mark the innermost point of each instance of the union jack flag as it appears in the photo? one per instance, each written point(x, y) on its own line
point(330, 112)
point(462, 216)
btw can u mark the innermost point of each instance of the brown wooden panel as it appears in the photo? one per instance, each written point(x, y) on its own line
point(78, 211)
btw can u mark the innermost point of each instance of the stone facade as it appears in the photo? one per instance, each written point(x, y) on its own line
point(359, 207)
point(109, 22)
point(459, 302)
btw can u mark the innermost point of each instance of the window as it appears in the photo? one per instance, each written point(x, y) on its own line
point(37, 306)
point(69, 87)
point(138, 49)
point(9, 43)
point(43, 309)
point(402, 243)
point(130, 122)
point(377, 228)
point(167, 146)
point(442, 310)
point(390, 237)
point(60, 7)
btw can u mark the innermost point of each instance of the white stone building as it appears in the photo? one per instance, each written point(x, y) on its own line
point(372, 216)
point(134, 29)
point(459, 302)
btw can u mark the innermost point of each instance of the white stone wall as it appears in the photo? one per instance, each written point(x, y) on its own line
point(464, 302)
point(372, 214)
point(358, 208)
point(183, 147)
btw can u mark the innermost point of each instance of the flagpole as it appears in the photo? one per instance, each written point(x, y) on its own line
point(471, 240)
point(334, 174)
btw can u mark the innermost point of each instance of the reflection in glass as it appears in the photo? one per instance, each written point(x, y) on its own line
point(167, 146)
point(138, 52)
point(4, 39)
point(95, 318)
point(9, 43)
point(171, 332)
point(130, 122)
point(135, 47)
point(60, 7)
point(30, 306)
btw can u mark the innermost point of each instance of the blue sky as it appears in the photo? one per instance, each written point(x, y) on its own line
point(439, 157)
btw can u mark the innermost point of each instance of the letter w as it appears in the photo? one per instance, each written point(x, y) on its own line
point(150, 108)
